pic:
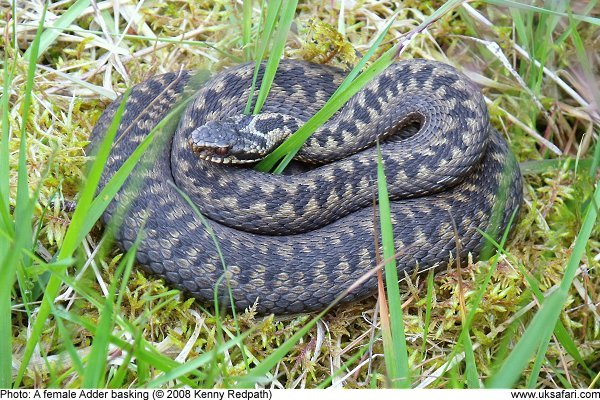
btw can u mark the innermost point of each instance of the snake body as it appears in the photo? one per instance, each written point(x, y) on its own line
point(294, 243)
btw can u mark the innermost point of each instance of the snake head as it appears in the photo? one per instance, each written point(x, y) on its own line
point(212, 142)
point(240, 139)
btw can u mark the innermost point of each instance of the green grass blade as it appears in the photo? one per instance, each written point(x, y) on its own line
point(61, 23)
point(72, 238)
point(396, 360)
point(567, 342)
point(109, 191)
point(69, 346)
point(391, 364)
point(560, 331)
point(273, 8)
point(363, 61)
point(247, 28)
point(7, 278)
point(141, 349)
point(23, 212)
point(24, 205)
point(76, 230)
point(505, 344)
point(518, 5)
point(471, 367)
point(561, 334)
point(285, 21)
point(428, 308)
point(119, 377)
point(198, 362)
point(540, 329)
point(289, 148)
point(345, 366)
point(7, 73)
point(96, 365)
point(349, 87)
point(595, 160)
point(7, 269)
point(537, 364)
point(520, 356)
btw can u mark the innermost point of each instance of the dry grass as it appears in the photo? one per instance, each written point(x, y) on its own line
point(542, 115)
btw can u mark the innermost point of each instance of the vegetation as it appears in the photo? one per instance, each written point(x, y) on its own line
point(75, 313)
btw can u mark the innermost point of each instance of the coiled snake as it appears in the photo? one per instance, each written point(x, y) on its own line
point(293, 243)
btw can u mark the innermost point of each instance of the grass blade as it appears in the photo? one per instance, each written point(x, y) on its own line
point(23, 213)
point(61, 23)
point(396, 360)
point(471, 367)
point(247, 28)
point(109, 191)
point(265, 38)
point(285, 21)
point(72, 238)
point(540, 329)
point(541, 10)
point(350, 86)
point(88, 211)
point(288, 149)
point(96, 363)
point(204, 359)
point(140, 349)
point(7, 270)
point(363, 61)
point(429, 306)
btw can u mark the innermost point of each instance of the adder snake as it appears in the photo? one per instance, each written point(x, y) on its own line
point(293, 243)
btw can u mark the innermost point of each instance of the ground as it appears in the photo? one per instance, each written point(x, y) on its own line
point(549, 116)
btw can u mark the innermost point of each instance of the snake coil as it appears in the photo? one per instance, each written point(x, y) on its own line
point(293, 243)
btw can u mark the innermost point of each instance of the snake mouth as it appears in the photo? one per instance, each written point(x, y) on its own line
point(218, 154)
point(211, 153)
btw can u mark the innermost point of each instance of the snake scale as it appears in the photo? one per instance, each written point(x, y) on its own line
point(293, 243)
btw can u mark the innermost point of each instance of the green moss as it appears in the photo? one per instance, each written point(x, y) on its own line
point(64, 113)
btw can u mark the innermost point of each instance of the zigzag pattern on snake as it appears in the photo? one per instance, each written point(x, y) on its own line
point(293, 243)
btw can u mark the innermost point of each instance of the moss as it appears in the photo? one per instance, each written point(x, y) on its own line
point(64, 113)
